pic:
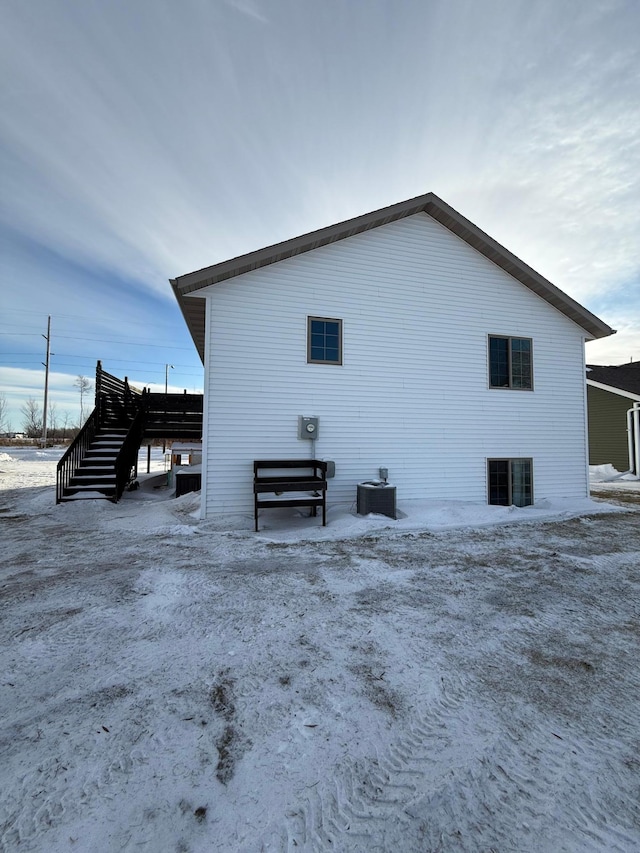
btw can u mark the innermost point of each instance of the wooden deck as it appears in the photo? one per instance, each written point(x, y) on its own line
point(124, 417)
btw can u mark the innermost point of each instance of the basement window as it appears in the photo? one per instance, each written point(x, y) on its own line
point(510, 363)
point(324, 340)
point(510, 482)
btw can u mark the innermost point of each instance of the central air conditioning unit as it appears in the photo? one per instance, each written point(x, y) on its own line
point(377, 498)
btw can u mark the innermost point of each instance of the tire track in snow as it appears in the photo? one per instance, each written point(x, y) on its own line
point(457, 781)
point(44, 797)
point(380, 790)
point(365, 794)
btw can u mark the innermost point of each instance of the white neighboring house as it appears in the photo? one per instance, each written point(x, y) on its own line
point(420, 343)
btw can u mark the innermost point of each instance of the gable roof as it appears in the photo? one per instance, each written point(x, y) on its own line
point(186, 286)
point(624, 377)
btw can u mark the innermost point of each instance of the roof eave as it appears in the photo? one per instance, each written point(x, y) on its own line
point(620, 392)
point(187, 285)
point(241, 264)
point(193, 311)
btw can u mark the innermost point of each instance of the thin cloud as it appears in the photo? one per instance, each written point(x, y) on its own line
point(247, 8)
point(145, 140)
point(19, 384)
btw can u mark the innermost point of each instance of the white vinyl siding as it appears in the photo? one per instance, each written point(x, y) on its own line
point(417, 305)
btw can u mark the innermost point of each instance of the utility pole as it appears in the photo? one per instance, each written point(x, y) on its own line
point(47, 338)
point(166, 377)
point(166, 389)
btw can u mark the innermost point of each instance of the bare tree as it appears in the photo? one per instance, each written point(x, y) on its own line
point(84, 386)
point(3, 413)
point(52, 418)
point(32, 424)
point(66, 417)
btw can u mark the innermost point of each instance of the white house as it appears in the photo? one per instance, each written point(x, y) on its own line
point(421, 344)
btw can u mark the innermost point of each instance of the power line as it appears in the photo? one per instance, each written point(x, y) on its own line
point(85, 317)
point(31, 364)
point(137, 370)
point(65, 316)
point(124, 360)
point(100, 340)
point(128, 343)
point(33, 356)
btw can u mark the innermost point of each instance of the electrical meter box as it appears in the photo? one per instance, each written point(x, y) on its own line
point(308, 427)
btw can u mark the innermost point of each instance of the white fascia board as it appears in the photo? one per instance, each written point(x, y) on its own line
point(628, 394)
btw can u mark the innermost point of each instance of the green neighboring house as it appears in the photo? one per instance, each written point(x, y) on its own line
point(611, 392)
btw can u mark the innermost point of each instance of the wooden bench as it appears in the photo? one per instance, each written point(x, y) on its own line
point(315, 482)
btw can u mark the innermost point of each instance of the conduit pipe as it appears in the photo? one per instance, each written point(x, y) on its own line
point(633, 439)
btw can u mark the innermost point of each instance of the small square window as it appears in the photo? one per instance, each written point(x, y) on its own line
point(324, 340)
point(510, 482)
point(510, 363)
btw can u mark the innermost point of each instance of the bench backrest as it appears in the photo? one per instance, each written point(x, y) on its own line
point(288, 464)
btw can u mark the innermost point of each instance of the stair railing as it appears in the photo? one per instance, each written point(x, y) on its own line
point(106, 383)
point(120, 400)
point(75, 453)
point(131, 408)
point(126, 461)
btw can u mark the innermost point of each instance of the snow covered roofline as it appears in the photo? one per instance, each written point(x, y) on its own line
point(187, 285)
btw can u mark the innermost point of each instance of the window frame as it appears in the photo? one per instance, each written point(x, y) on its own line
point(311, 360)
point(509, 339)
point(510, 460)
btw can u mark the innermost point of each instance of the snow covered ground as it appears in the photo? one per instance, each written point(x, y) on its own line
point(609, 484)
point(463, 679)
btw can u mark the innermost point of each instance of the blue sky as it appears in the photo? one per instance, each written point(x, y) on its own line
point(140, 141)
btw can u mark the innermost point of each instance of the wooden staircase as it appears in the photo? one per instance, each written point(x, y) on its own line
point(103, 459)
point(95, 477)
